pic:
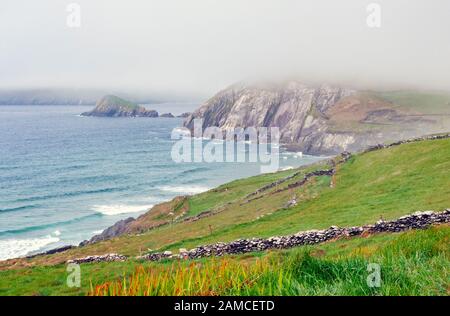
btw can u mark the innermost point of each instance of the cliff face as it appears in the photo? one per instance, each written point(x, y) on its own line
point(112, 106)
point(314, 119)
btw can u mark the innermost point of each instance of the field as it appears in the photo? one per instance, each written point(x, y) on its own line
point(411, 263)
point(384, 184)
point(430, 102)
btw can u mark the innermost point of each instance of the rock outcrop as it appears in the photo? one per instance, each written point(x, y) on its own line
point(112, 106)
point(115, 230)
point(169, 115)
point(313, 119)
point(160, 214)
point(51, 251)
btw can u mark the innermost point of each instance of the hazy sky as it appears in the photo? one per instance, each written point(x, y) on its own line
point(201, 46)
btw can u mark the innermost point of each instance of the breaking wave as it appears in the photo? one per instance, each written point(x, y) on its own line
point(192, 189)
point(116, 209)
point(14, 248)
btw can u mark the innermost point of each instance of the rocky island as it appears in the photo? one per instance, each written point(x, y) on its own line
point(113, 106)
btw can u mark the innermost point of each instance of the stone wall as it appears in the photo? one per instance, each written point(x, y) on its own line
point(412, 140)
point(103, 258)
point(418, 220)
point(118, 228)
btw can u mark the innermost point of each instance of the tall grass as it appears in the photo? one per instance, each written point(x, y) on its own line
point(214, 277)
point(414, 264)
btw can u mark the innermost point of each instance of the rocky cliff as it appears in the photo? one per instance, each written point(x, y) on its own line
point(314, 119)
point(112, 106)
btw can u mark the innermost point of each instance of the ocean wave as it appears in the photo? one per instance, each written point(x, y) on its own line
point(87, 179)
point(116, 209)
point(48, 225)
point(71, 194)
point(196, 180)
point(19, 208)
point(72, 167)
point(191, 189)
point(182, 131)
point(14, 248)
point(294, 154)
point(194, 170)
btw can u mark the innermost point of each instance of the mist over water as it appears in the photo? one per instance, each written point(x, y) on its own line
point(64, 178)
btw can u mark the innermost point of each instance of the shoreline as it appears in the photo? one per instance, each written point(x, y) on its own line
point(346, 156)
point(430, 137)
point(63, 247)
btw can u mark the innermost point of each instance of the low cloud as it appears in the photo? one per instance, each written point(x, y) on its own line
point(197, 47)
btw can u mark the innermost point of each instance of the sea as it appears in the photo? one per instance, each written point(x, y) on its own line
point(65, 178)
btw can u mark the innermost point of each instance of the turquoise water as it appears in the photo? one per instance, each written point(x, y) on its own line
point(64, 178)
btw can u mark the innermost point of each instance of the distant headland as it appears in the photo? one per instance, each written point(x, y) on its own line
point(113, 106)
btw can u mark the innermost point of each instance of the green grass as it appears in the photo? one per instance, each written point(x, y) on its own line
point(230, 192)
point(52, 280)
point(114, 100)
point(412, 263)
point(386, 183)
point(424, 102)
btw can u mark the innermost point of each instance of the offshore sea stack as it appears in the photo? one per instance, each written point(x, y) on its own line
point(112, 106)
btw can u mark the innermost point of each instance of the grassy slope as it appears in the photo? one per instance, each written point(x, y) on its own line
point(412, 263)
point(424, 102)
point(387, 183)
point(433, 107)
point(116, 101)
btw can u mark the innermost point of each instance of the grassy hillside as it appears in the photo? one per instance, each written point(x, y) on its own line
point(396, 114)
point(412, 263)
point(112, 100)
point(386, 183)
point(424, 102)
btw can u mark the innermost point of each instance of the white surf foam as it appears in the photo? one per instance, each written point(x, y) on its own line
point(116, 209)
point(185, 189)
point(15, 248)
point(293, 154)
